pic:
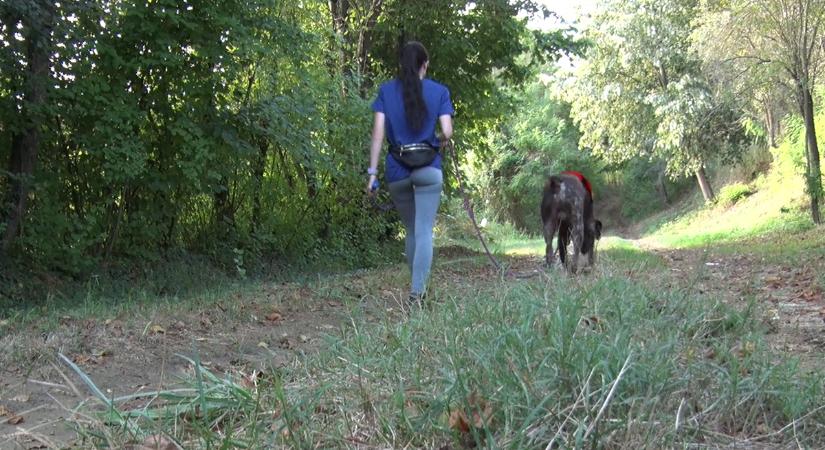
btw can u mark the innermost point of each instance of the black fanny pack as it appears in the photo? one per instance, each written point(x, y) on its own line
point(414, 155)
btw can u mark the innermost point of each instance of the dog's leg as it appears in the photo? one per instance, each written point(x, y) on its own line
point(578, 239)
point(563, 242)
point(549, 230)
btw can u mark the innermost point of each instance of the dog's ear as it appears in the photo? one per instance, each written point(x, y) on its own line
point(598, 227)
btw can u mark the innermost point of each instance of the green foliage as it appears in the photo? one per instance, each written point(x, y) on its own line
point(641, 185)
point(772, 43)
point(642, 93)
point(234, 129)
point(538, 140)
point(772, 204)
point(732, 193)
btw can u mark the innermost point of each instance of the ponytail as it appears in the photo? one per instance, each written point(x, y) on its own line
point(413, 56)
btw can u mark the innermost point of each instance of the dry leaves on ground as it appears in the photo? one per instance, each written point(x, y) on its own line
point(9, 417)
point(480, 415)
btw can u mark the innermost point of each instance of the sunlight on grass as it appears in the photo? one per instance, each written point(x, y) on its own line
point(523, 247)
point(778, 205)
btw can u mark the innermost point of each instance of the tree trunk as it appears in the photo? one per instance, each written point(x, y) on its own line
point(814, 176)
point(661, 184)
point(771, 124)
point(26, 143)
point(258, 174)
point(339, 10)
point(365, 45)
point(704, 184)
point(224, 210)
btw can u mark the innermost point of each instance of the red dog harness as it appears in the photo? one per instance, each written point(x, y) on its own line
point(582, 179)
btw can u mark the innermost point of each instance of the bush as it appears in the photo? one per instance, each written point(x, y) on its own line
point(732, 193)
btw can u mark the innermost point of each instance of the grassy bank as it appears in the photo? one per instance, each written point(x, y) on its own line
point(772, 204)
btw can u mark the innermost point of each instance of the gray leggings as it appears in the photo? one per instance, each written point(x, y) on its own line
point(416, 198)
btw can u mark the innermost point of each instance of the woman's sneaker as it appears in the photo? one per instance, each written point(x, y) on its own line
point(416, 300)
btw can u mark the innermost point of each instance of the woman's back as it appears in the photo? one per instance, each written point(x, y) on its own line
point(390, 102)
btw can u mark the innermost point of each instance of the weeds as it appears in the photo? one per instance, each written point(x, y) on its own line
point(732, 193)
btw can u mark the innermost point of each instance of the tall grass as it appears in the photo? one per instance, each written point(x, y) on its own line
point(601, 362)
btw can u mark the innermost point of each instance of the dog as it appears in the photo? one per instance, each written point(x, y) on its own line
point(567, 207)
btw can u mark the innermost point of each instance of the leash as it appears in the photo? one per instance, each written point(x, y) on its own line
point(380, 207)
point(468, 206)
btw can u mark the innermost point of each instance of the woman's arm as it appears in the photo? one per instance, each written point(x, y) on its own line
point(446, 122)
point(375, 146)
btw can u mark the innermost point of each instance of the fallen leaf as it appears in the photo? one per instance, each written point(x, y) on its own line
point(482, 411)
point(773, 282)
point(811, 294)
point(482, 415)
point(14, 420)
point(82, 359)
point(263, 344)
point(100, 353)
point(458, 421)
point(286, 431)
point(5, 411)
point(156, 442)
point(157, 329)
point(483, 418)
point(274, 316)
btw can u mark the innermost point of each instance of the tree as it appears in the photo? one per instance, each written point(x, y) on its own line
point(779, 41)
point(138, 130)
point(35, 19)
point(641, 91)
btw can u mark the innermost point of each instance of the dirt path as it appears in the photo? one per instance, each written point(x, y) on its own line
point(788, 298)
point(275, 324)
point(264, 329)
point(271, 326)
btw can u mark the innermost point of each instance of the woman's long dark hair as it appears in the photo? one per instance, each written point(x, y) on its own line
point(413, 56)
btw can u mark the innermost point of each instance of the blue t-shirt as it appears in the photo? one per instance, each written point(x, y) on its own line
point(390, 102)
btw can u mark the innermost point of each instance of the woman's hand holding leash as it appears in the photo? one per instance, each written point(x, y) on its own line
point(372, 185)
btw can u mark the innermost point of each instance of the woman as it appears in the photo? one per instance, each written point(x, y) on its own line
point(406, 111)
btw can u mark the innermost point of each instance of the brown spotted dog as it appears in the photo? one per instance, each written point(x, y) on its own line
point(567, 207)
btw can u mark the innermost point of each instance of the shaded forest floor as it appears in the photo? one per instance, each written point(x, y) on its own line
point(274, 325)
